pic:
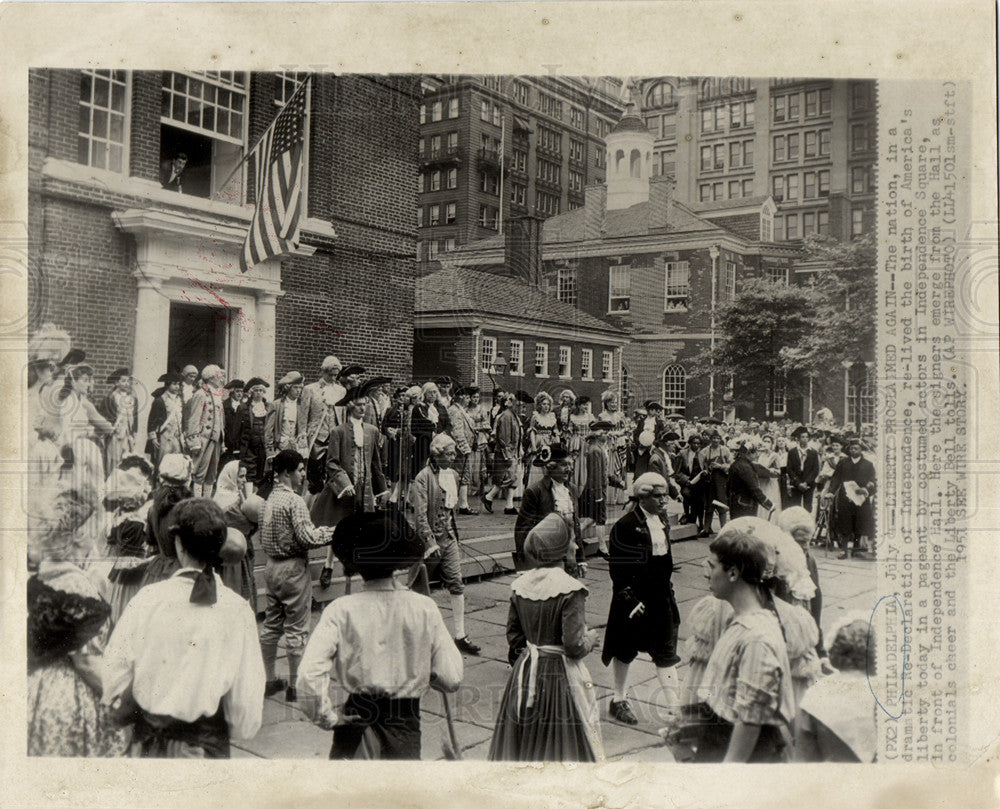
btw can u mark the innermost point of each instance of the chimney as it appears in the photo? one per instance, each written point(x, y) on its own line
point(661, 194)
point(523, 248)
point(595, 203)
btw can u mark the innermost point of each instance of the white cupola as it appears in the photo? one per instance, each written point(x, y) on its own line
point(630, 160)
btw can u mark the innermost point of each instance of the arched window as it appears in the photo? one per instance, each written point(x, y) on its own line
point(619, 160)
point(635, 163)
point(674, 388)
point(861, 395)
point(660, 94)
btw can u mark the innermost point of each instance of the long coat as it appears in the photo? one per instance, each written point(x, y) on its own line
point(329, 507)
point(432, 520)
point(744, 489)
point(637, 575)
point(536, 504)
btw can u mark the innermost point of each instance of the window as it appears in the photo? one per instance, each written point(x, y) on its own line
point(748, 188)
point(575, 181)
point(433, 247)
point(779, 228)
point(766, 225)
point(705, 192)
point(565, 362)
point(729, 282)
point(453, 108)
point(435, 181)
point(566, 285)
point(607, 366)
point(546, 203)
point(778, 188)
point(777, 275)
point(435, 145)
point(288, 83)
point(793, 146)
point(812, 103)
point(521, 93)
point(857, 222)
point(421, 182)
point(825, 102)
point(734, 189)
point(487, 352)
point(449, 213)
point(717, 191)
point(203, 114)
point(520, 160)
point(452, 178)
point(809, 185)
point(518, 193)
point(577, 151)
point(720, 118)
point(515, 359)
point(452, 141)
point(678, 292)
point(706, 158)
point(779, 109)
point(587, 363)
point(859, 180)
point(779, 148)
point(435, 215)
point(600, 157)
point(436, 111)
point(541, 359)
point(674, 388)
point(824, 182)
point(811, 144)
point(808, 223)
point(489, 217)
point(497, 116)
point(748, 118)
point(102, 133)
point(707, 120)
point(484, 110)
point(420, 216)
point(550, 105)
point(423, 113)
point(860, 395)
point(668, 163)
point(779, 399)
point(824, 143)
point(626, 394)
point(619, 288)
point(823, 223)
point(660, 95)
point(719, 154)
point(859, 137)
point(576, 118)
point(735, 153)
point(792, 226)
point(860, 96)
point(792, 186)
point(548, 172)
point(793, 107)
point(489, 183)
point(549, 140)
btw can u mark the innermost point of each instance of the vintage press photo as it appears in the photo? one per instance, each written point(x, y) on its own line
point(552, 327)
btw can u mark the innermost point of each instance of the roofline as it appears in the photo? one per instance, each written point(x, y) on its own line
point(469, 318)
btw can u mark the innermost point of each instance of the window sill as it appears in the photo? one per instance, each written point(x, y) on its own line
point(541, 376)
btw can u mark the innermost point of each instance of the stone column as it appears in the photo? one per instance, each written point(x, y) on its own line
point(264, 337)
point(152, 333)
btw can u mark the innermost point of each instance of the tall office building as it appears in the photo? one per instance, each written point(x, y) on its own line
point(808, 143)
point(547, 131)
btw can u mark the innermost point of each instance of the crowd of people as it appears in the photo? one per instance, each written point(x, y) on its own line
point(141, 621)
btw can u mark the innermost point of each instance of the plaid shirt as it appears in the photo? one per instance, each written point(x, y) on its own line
point(288, 530)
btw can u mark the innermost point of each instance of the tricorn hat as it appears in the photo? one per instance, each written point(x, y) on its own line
point(235, 384)
point(255, 381)
point(550, 454)
point(350, 370)
point(171, 376)
point(376, 543)
point(117, 374)
point(652, 404)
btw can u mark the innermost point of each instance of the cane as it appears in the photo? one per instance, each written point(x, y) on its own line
point(418, 576)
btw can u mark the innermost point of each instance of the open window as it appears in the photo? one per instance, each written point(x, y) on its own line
point(203, 115)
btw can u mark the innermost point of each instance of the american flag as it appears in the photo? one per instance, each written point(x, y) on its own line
point(277, 163)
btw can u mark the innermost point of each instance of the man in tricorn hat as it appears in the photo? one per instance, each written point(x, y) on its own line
point(552, 492)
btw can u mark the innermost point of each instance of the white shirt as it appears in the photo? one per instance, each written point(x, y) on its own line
point(182, 658)
point(288, 419)
point(657, 534)
point(384, 639)
point(563, 500)
point(358, 427)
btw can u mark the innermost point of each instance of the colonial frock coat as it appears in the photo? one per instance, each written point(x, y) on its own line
point(330, 507)
point(647, 578)
point(538, 502)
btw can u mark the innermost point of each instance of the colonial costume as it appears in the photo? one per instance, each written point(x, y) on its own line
point(253, 418)
point(548, 711)
point(165, 424)
point(541, 499)
point(121, 408)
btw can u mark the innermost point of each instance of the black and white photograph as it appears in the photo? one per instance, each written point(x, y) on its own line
point(619, 416)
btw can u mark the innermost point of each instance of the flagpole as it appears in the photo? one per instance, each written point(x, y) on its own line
point(503, 130)
point(247, 154)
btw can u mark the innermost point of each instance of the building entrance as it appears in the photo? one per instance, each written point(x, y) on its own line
point(199, 336)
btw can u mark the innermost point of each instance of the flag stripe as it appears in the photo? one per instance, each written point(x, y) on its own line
point(277, 161)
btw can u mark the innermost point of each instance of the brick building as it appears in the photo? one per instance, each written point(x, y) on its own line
point(500, 332)
point(639, 257)
point(547, 132)
point(148, 278)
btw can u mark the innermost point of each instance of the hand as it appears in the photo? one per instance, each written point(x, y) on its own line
point(325, 577)
point(827, 667)
point(382, 497)
point(432, 550)
point(349, 492)
point(329, 721)
point(639, 609)
point(580, 572)
point(594, 637)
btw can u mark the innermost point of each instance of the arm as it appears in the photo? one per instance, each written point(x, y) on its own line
point(379, 486)
point(806, 740)
point(270, 431)
point(156, 419)
point(446, 659)
point(794, 467)
point(624, 556)
point(306, 534)
point(337, 476)
point(313, 682)
point(243, 703)
point(119, 657)
point(577, 641)
point(742, 742)
point(745, 473)
point(419, 498)
point(516, 639)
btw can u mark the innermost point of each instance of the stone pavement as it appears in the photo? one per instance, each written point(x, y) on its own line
point(847, 585)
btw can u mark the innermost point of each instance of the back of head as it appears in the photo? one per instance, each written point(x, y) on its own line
point(850, 645)
point(199, 526)
point(374, 544)
point(58, 536)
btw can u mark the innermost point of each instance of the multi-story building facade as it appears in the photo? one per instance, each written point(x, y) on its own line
point(147, 278)
point(492, 147)
point(808, 143)
point(638, 255)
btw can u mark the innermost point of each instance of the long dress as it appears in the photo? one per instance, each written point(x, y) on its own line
point(548, 711)
point(617, 452)
point(65, 716)
point(579, 426)
point(771, 486)
point(121, 409)
point(541, 433)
